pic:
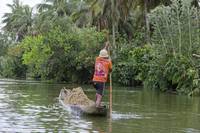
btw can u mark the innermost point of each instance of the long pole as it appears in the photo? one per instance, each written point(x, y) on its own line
point(110, 113)
point(110, 95)
point(110, 89)
point(113, 40)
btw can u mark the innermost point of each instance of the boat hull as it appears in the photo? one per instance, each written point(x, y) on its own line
point(80, 109)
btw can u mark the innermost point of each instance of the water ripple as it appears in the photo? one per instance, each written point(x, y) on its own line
point(120, 116)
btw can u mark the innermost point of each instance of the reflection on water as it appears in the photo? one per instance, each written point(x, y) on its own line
point(118, 116)
point(29, 106)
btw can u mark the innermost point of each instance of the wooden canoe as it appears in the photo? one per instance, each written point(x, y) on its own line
point(80, 109)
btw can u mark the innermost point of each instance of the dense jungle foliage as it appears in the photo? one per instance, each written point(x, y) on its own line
point(154, 43)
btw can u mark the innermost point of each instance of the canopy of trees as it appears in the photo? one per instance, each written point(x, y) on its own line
point(153, 41)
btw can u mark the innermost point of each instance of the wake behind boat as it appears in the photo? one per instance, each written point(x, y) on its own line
point(77, 101)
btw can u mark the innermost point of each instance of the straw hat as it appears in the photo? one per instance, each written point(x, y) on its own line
point(103, 53)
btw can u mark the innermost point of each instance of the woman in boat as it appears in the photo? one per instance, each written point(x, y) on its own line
point(103, 66)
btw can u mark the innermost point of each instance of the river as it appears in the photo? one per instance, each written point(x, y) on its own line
point(30, 106)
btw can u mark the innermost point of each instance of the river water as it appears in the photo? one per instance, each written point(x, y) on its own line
point(29, 106)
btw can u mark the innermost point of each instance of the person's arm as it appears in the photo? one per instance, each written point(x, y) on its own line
point(107, 45)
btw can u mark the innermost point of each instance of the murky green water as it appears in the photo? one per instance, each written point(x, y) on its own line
point(34, 107)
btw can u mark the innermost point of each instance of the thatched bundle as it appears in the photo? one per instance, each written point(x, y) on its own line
point(76, 96)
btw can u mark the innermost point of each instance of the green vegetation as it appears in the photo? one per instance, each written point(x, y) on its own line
point(175, 39)
point(153, 43)
point(62, 56)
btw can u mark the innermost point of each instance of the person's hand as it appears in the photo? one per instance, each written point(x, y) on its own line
point(107, 44)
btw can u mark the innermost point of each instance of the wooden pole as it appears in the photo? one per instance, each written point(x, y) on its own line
point(110, 89)
point(114, 46)
point(110, 99)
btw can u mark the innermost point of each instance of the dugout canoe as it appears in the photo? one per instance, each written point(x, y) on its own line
point(82, 109)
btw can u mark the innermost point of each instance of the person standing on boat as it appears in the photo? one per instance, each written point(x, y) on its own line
point(103, 66)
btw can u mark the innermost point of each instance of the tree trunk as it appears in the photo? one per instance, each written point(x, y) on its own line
point(147, 26)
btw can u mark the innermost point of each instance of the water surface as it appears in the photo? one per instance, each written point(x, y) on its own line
point(29, 106)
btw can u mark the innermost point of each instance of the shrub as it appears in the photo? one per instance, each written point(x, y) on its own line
point(132, 70)
point(61, 55)
point(174, 75)
point(11, 64)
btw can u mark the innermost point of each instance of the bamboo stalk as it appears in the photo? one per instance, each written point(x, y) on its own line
point(179, 28)
point(170, 34)
point(162, 38)
point(197, 15)
point(190, 34)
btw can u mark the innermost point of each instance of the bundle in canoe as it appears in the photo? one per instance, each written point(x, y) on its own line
point(79, 102)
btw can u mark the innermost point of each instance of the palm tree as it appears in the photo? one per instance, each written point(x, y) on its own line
point(106, 14)
point(82, 16)
point(19, 21)
point(56, 7)
point(52, 11)
point(8, 18)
